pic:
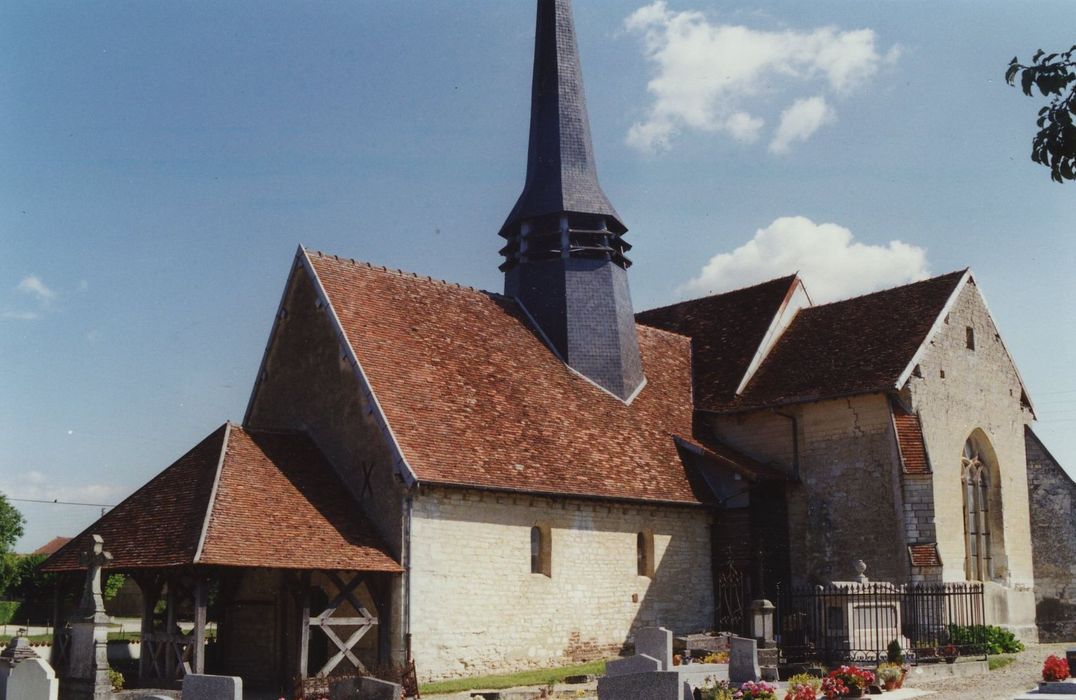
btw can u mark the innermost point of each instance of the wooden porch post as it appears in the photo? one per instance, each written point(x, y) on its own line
point(151, 590)
point(169, 626)
point(304, 624)
point(200, 601)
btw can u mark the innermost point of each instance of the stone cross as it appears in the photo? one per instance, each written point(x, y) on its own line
point(93, 602)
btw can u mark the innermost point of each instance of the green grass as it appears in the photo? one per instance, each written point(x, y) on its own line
point(996, 662)
point(543, 676)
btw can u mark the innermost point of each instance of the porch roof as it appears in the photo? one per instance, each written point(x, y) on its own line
point(248, 498)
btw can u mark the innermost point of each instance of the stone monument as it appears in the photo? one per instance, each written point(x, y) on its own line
point(87, 670)
point(32, 679)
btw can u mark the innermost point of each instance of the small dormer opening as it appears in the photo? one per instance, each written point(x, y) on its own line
point(969, 337)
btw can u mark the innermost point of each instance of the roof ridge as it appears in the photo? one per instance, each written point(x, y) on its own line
point(398, 272)
point(958, 274)
point(721, 294)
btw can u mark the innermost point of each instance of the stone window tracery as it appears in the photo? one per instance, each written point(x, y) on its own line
point(975, 480)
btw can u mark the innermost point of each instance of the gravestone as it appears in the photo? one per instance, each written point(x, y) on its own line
point(640, 663)
point(87, 668)
point(1058, 687)
point(200, 686)
point(651, 685)
point(743, 660)
point(375, 689)
point(655, 642)
point(17, 651)
point(32, 679)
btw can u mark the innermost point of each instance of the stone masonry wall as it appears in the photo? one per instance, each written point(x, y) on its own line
point(1053, 538)
point(477, 608)
point(847, 505)
point(961, 391)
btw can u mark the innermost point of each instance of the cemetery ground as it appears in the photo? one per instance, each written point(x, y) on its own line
point(1010, 675)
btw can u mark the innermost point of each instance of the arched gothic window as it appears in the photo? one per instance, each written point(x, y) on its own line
point(975, 479)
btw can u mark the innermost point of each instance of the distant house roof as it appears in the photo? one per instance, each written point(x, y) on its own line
point(52, 545)
point(856, 346)
point(475, 398)
point(238, 498)
point(726, 331)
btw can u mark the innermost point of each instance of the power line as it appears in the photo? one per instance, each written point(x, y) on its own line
point(60, 503)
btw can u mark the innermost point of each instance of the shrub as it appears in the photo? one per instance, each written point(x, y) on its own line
point(9, 611)
point(889, 671)
point(715, 690)
point(1055, 668)
point(993, 638)
point(116, 679)
point(895, 653)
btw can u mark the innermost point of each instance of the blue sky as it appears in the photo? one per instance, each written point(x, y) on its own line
point(164, 160)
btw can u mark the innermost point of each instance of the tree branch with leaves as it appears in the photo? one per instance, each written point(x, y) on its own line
point(1053, 74)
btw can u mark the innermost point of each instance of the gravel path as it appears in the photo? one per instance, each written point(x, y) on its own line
point(1003, 684)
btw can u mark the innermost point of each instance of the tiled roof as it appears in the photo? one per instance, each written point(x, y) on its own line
point(726, 331)
point(856, 346)
point(277, 503)
point(913, 451)
point(475, 398)
point(52, 545)
point(924, 554)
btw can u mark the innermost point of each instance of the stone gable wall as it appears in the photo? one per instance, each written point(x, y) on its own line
point(1053, 537)
point(847, 505)
point(980, 390)
point(477, 608)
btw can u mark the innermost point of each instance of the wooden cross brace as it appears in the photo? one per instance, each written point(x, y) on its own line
point(325, 621)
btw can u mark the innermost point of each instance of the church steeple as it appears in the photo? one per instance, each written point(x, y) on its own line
point(564, 260)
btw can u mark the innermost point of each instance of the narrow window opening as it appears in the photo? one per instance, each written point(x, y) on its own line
point(941, 373)
point(540, 551)
point(969, 337)
point(644, 554)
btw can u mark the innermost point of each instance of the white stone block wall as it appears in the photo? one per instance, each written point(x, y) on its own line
point(980, 390)
point(477, 608)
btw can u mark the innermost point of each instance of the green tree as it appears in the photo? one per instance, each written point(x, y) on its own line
point(11, 524)
point(1055, 77)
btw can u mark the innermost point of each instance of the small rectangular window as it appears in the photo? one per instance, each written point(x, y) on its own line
point(644, 553)
point(541, 555)
point(969, 337)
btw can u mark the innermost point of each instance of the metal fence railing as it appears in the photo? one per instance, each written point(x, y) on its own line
point(857, 622)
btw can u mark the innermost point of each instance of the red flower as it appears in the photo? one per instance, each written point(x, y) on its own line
point(1055, 669)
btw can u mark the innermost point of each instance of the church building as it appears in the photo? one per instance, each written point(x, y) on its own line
point(486, 482)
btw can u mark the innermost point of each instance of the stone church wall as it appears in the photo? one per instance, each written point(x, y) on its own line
point(847, 505)
point(477, 608)
point(960, 391)
point(1053, 537)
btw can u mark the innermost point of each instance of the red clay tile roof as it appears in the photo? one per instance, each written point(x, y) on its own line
point(52, 545)
point(924, 554)
point(856, 346)
point(913, 451)
point(277, 504)
point(475, 398)
point(726, 331)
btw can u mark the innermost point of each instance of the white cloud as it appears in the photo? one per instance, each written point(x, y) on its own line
point(38, 485)
point(708, 73)
point(799, 121)
point(21, 315)
point(830, 262)
point(32, 285)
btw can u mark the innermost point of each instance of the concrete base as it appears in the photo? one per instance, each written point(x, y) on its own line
point(960, 669)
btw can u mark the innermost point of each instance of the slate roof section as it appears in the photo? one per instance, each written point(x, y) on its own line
point(726, 331)
point(561, 172)
point(924, 555)
point(913, 450)
point(475, 398)
point(277, 503)
point(855, 346)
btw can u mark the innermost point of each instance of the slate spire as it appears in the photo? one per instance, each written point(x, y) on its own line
point(564, 260)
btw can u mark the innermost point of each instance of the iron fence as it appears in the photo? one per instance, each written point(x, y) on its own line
point(857, 622)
